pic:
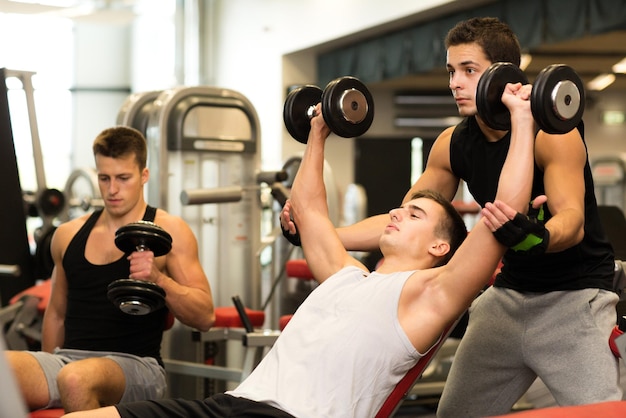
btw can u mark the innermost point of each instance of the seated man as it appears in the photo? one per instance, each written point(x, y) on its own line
point(93, 354)
point(358, 333)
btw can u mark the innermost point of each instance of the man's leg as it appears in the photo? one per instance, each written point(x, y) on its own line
point(109, 378)
point(568, 345)
point(30, 378)
point(90, 383)
point(218, 406)
point(488, 373)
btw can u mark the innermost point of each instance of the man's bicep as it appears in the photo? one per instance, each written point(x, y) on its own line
point(563, 161)
point(438, 179)
point(323, 250)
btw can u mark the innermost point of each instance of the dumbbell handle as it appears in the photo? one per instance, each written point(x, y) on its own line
point(353, 106)
point(311, 113)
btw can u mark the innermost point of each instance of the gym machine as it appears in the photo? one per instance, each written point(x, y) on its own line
point(17, 270)
point(203, 157)
point(610, 180)
point(206, 138)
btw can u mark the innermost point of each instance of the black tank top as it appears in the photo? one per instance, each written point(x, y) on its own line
point(92, 321)
point(588, 264)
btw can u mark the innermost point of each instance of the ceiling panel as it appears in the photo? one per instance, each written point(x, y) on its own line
point(589, 56)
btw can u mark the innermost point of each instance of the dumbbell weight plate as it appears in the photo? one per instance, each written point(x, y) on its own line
point(347, 107)
point(136, 297)
point(557, 99)
point(296, 111)
point(143, 233)
point(489, 94)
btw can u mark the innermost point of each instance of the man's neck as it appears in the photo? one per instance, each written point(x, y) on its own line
point(115, 221)
point(491, 135)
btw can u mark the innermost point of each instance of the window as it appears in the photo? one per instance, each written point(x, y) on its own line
point(44, 45)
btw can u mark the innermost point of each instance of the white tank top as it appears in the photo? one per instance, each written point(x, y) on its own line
point(341, 354)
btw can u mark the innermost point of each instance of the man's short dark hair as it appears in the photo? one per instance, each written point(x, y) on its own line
point(451, 227)
point(121, 141)
point(496, 38)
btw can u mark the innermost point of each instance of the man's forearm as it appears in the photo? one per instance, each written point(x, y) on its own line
point(52, 335)
point(363, 235)
point(512, 189)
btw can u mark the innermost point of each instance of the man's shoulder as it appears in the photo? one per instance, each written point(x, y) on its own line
point(165, 219)
point(73, 225)
point(66, 231)
point(174, 225)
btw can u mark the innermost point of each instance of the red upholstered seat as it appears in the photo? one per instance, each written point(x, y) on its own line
point(298, 269)
point(228, 317)
point(283, 321)
point(42, 291)
point(47, 413)
point(295, 269)
point(616, 333)
point(613, 409)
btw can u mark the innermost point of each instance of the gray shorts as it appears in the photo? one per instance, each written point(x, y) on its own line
point(145, 378)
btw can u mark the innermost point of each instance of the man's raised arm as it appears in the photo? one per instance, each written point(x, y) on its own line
point(477, 258)
point(324, 252)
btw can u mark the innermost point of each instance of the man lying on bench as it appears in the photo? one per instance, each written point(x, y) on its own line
point(358, 333)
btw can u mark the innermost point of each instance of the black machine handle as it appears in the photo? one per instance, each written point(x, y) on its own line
point(243, 315)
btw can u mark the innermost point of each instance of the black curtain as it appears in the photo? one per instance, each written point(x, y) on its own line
point(419, 48)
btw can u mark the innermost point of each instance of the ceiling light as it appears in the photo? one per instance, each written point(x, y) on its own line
point(613, 117)
point(601, 82)
point(620, 67)
point(525, 61)
point(55, 3)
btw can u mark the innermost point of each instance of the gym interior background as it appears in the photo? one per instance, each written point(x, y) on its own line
point(90, 55)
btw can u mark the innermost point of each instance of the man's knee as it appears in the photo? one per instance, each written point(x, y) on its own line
point(90, 383)
point(72, 378)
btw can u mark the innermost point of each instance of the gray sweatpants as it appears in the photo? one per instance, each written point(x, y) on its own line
point(513, 337)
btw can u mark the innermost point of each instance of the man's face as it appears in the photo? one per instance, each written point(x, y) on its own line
point(412, 227)
point(121, 182)
point(465, 64)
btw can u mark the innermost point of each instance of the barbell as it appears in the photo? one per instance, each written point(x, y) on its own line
point(557, 98)
point(347, 108)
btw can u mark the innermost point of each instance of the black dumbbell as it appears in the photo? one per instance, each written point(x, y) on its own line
point(347, 108)
point(557, 99)
point(139, 297)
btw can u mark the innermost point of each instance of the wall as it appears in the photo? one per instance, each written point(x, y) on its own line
point(604, 139)
point(253, 36)
point(259, 48)
point(249, 41)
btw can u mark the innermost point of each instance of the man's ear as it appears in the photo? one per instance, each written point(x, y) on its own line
point(439, 248)
point(145, 175)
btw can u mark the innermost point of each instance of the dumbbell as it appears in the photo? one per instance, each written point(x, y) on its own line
point(347, 108)
point(557, 99)
point(139, 297)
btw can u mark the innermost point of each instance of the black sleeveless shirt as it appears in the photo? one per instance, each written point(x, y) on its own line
point(589, 264)
point(92, 321)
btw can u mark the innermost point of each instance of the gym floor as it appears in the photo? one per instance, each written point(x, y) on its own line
point(537, 396)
